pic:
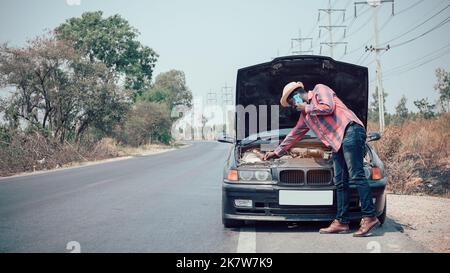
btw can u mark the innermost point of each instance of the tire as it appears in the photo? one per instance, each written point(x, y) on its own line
point(231, 223)
point(382, 217)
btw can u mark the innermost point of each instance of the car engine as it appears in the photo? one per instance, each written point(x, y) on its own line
point(255, 155)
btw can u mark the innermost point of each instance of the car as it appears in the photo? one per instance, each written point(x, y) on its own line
point(298, 186)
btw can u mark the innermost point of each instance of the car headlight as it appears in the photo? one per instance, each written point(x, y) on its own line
point(259, 175)
point(245, 175)
point(262, 175)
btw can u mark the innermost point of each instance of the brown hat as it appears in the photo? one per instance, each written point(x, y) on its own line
point(287, 90)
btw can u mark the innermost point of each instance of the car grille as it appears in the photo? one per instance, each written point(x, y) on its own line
point(292, 177)
point(318, 177)
point(313, 177)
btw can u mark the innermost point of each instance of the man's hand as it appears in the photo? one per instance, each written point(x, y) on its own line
point(270, 155)
point(301, 107)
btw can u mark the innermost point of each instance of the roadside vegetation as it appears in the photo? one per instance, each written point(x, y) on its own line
point(415, 147)
point(84, 91)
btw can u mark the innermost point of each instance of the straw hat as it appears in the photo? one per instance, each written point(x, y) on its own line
point(287, 90)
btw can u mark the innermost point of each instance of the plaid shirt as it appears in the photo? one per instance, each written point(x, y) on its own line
point(326, 115)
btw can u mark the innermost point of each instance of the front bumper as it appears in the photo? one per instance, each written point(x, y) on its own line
point(266, 204)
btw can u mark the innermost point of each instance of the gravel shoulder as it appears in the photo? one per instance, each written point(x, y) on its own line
point(425, 219)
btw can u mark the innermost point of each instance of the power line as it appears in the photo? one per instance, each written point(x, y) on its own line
point(357, 49)
point(361, 27)
point(417, 26)
point(422, 63)
point(400, 67)
point(442, 23)
point(371, 37)
point(363, 56)
point(410, 7)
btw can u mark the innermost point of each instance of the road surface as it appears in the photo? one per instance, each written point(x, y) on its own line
point(169, 202)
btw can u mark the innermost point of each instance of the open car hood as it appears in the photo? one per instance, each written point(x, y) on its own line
point(262, 84)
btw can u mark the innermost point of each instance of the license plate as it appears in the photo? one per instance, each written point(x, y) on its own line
point(306, 198)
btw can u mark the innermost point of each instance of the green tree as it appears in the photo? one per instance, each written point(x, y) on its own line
point(401, 111)
point(426, 109)
point(443, 86)
point(373, 107)
point(169, 87)
point(114, 42)
point(57, 90)
point(147, 122)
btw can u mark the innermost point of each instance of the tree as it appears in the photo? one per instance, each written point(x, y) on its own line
point(147, 122)
point(57, 90)
point(401, 111)
point(374, 106)
point(170, 87)
point(114, 42)
point(425, 108)
point(443, 86)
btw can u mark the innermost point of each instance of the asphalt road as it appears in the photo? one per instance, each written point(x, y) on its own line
point(168, 202)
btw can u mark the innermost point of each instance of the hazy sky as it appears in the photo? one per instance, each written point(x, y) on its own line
point(209, 40)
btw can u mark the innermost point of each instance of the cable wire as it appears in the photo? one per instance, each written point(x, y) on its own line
point(419, 25)
point(442, 23)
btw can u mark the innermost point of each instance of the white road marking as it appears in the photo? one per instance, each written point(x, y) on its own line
point(246, 240)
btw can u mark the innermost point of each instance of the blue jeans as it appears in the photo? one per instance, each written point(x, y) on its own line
point(348, 166)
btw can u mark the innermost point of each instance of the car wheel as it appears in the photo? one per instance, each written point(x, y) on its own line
point(231, 223)
point(382, 217)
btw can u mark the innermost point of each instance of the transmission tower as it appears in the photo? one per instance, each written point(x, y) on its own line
point(299, 40)
point(212, 98)
point(227, 95)
point(330, 28)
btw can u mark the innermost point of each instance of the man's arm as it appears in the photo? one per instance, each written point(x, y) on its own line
point(325, 104)
point(298, 131)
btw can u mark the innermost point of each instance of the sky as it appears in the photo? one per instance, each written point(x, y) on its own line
point(210, 39)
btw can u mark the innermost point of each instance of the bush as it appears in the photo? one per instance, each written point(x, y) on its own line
point(22, 152)
point(416, 155)
point(147, 122)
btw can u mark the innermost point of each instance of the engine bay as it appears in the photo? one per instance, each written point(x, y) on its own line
point(255, 156)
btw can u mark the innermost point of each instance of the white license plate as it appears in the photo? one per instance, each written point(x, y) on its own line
point(306, 198)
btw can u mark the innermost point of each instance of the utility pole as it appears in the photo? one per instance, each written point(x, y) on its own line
point(329, 27)
point(300, 41)
point(376, 4)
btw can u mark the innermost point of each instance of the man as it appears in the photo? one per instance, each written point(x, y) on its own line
point(339, 128)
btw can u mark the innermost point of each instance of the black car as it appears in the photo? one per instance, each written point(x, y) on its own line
point(298, 186)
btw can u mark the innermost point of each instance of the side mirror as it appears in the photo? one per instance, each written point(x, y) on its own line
point(225, 139)
point(373, 136)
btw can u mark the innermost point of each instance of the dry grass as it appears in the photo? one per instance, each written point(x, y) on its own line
point(110, 144)
point(417, 156)
point(33, 152)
